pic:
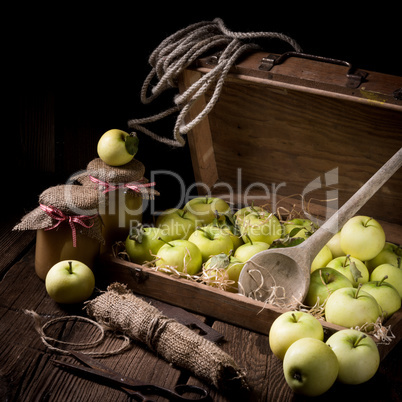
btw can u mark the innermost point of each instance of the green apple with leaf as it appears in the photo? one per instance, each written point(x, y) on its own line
point(352, 307)
point(117, 147)
point(258, 224)
point(179, 255)
point(223, 271)
point(362, 237)
point(143, 242)
point(205, 208)
point(211, 241)
point(310, 367)
point(387, 296)
point(299, 227)
point(393, 273)
point(176, 223)
point(291, 326)
point(357, 355)
point(354, 269)
point(70, 282)
point(323, 282)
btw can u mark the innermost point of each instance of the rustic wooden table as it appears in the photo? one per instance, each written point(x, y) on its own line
point(27, 374)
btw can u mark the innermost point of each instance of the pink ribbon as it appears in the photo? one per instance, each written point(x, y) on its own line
point(134, 185)
point(59, 216)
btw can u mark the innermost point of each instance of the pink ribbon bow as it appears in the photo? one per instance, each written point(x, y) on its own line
point(134, 185)
point(59, 216)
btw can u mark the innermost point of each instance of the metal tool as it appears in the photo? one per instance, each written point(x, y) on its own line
point(140, 390)
point(289, 268)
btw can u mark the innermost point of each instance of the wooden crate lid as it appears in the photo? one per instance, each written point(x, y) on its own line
point(277, 130)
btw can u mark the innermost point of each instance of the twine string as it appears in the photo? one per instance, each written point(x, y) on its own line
point(136, 186)
point(59, 216)
point(178, 51)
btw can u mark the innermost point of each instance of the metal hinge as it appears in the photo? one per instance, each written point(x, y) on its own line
point(354, 77)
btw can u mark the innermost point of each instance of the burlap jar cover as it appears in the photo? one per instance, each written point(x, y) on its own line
point(72, 203)
point(108, 178)
point(120, 310)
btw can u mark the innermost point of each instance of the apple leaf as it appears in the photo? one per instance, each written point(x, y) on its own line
point(286, 241)
point(220, 261)
point(294, 232)
point(132, 144)
point(356, 274)
point(137, 233)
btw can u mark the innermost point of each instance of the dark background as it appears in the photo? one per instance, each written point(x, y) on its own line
point(72, 73)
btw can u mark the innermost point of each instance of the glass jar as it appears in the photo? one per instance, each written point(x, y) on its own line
point(55, 245)
point(119, 210)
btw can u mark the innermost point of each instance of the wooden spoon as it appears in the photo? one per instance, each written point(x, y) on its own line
point(286, 271)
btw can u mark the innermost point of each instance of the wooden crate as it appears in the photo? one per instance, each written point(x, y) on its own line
point(284, 126)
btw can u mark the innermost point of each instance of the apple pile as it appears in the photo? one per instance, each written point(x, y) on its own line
point(311, 365)
point(357, 276)
point(205, 239)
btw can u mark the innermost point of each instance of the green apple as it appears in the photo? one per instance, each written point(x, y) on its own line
point(222, 271)
point(69, 282)
point(229, 231)
point(334, 245)
point(247, 250)
point(388, 255)
point(362, 237)
point(143, 243)
point(386, 295)
point(180, 255)
point(321, 259)
point(354, 269)
point(393, 273)
point(357, 354)
point(116, 147)
point(310, 367)
point(352, 307)
point(306, 227)
point(211, 241)
point(323, 282)
point(258, 224)
point(205, 208)
point(177, 223)
point(291, 326)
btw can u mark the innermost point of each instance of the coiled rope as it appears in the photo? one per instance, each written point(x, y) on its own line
point(180, 50)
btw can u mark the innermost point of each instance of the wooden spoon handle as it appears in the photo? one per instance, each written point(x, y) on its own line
point(349, 209)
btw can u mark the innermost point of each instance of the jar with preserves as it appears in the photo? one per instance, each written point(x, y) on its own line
point(68, 227)
point(123, 190)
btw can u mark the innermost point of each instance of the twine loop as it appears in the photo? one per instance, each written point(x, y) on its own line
point(49, 341)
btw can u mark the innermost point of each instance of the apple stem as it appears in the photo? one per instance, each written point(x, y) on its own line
point(70, 267)
point(294, 317)
point(379, 283)
point(358, 290)
point(362, 336)
point(160, 238)
point(249, 239)
point(347, 260)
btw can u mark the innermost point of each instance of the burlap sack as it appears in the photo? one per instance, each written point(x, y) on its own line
point(73, 201)
point(120, 310)
point(99, 174)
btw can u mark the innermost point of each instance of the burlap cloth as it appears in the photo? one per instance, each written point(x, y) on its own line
point(120, 310)
point(99, 174)
point(73, 201)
